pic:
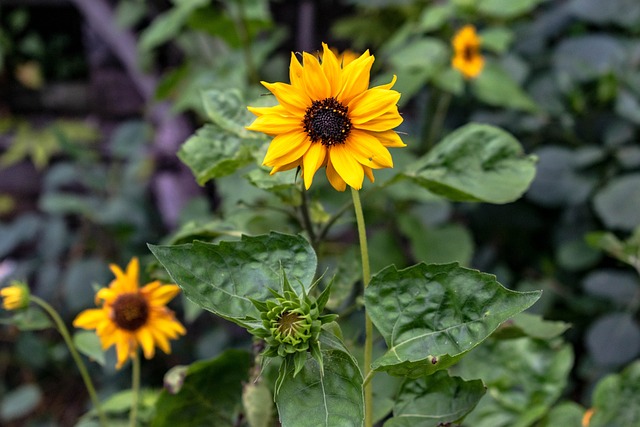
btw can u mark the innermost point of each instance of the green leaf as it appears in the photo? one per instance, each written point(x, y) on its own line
point(532, 325)
point(213, 152)
point(564, 414)
point(435, 17)
point(495, 87)
point(615, 399)
point(506, 9)
point(311, 399)
point(223, 277)
point(427, 53)
point(18, 403)
point(496, 39)
point(454, 242)
point(228, 109)
point(475, 163)
point(524, 378)
point(616, 203)
point(258, 404)
point(168, 25)
point(613, 339)
point(211, 393)
point(431, 315)
point(435, 400)
point(627, 251)
point(31, 319)
point(88, 343)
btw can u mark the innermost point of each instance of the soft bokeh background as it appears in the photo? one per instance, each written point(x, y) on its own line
point(97, 96)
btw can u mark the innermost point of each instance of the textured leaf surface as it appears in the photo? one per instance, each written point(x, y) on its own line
point(435, 400)
point(524, 377)
point(313, 400)
point(615, 397)
point(222, 277)
point(431, 315)
point(211, 393)
point(476, 163)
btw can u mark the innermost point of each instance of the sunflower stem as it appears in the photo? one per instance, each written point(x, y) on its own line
point(135, 389)
point(62, 329)
point(306, 217)
point(368, 327)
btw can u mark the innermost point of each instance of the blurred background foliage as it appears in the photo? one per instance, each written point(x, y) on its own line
point(95, 104)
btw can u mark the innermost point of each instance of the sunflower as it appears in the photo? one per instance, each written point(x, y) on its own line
point(130, 317)
point(15, 296)
point(329, 117)
point(467, 58)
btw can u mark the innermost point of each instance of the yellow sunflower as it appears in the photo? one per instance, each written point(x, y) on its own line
point(15, 296)
point(467, 58)
point(130, 317)
point(329, 117)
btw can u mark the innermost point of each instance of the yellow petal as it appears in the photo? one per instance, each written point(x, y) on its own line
point(286, 148)
point(144, 337)
point(334, 179)
point(286, 167)
point(295, 71)
point(276, 109)
point(290, 97)
point(315, 82)
point(273, 124)
point(331, 69)
point(389, 120)
point(312, 160)
point(389, 138)
point(349, 169)
point(125, 348)
point(89, 319)
point(355, 78)
point(371, 104)
point(161, 340)
point(160, 295)
point(388, 85)
point(368, 150)
point(369, 173)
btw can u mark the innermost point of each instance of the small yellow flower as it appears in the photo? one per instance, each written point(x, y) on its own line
point(329, 117)
point(130, 317)
point(586, 418)
point(467, 58)
point(15, 297)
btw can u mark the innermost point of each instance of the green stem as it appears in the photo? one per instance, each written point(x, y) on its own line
point(306, 218)
point(435, 127)
point(245, 39)
point(368, 327)
point(135, 389)
point(62, 329)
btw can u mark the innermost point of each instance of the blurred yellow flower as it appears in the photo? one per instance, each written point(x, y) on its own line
point(329, 117)
point(130, 317)
point(586, 418)
point(15, 297)
point(467, 58)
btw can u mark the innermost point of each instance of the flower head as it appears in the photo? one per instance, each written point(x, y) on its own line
point(16, 296)
point(130, 317)
point(329, 117)
point(467, 58)
point(291, 324)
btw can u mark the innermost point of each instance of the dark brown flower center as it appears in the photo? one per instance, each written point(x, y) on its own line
point(469, 52)
point(327, 121)
point(130, 311)
point(288, 323)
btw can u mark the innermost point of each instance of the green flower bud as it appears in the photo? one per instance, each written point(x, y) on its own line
point(291, 324)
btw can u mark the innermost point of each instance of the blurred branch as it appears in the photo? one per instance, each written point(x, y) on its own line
point(173, 188)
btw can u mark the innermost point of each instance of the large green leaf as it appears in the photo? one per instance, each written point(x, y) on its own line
point(496, 87)
point(311, 399)
point(228, 109)
point(524, 377)
point(223, 277)
point(435, 400)
point(213, 152)
point(476, 163)
point(431, 315)
point(615, 399)
point(210, 395)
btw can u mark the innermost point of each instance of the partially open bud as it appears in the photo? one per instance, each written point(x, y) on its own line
point(291, 324)
point(16, 296)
